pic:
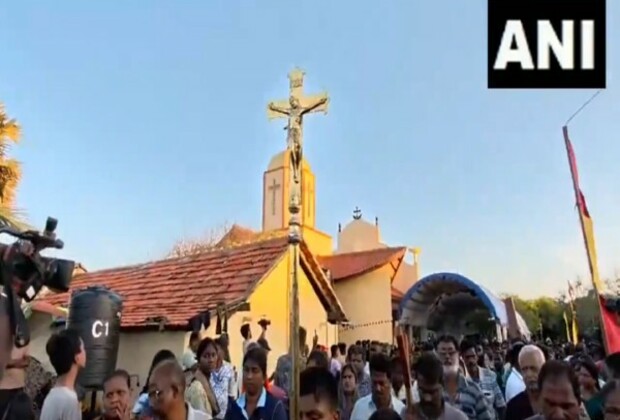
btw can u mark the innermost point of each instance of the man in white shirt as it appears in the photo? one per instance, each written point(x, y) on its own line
point(189, 361)
point(381, 395)
point(334, 362)
point(398, 381)
point(246, 333)
point(514, 383)
point(67, 355)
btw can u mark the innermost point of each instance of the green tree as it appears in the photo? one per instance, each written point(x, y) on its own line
point(551, 312)
point(548, 313)
point(586, 307)
point(528, 312)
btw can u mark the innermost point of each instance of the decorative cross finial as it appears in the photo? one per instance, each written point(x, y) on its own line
point(357, 213)
point(296, 81)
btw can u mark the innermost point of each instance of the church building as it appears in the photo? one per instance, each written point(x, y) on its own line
point(348, 292)
point(368, 276)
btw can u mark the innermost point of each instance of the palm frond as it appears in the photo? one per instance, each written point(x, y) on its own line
point(9, 127)
point(10, 175)
point(14, 218)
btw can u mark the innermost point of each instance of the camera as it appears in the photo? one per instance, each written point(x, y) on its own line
point(264, 323)
point(24, 272)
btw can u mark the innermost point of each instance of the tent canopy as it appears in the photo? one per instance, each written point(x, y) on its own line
point(445, 298)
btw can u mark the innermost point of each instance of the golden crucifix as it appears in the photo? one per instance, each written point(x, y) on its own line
point(294, 110)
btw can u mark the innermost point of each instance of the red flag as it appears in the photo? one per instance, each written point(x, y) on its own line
point(609, 320)
point(587, 227)
point(572, 162)
point(611, 328)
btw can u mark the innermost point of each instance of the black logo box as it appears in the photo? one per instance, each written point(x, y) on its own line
point(529, 12)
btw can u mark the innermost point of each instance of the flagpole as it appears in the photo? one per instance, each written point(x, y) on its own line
point(568, 334)
point(592, 265)
point(574, 334)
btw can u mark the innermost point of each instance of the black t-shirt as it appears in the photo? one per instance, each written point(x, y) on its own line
point(519, 407)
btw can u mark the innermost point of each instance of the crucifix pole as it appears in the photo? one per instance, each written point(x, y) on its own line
point(294, 110)
point(294, 239)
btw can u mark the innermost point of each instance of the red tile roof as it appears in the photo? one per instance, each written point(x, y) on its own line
point(344, 266)
point(177, 289)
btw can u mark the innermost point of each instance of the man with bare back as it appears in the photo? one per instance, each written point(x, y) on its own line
point(14, 359)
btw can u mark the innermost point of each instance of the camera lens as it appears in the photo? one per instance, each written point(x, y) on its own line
point(59, 274)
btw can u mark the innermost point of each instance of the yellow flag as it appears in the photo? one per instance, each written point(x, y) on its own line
point(588, 234)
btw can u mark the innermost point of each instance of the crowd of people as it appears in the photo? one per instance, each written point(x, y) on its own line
point(447, 379)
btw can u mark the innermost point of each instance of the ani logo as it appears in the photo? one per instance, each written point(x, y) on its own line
point(546, 44)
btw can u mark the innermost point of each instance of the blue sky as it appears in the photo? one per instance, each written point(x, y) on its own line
point(144, 122)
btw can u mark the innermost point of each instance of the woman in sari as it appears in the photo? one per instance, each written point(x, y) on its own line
point(199, 394)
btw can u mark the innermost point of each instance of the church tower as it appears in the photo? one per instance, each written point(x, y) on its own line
point(276, 194)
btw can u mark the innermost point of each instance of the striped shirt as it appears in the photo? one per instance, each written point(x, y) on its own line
point(487, 381)
point(470, 400)
point(364, 385)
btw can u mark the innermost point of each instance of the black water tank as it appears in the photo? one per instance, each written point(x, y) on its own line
point(95, 312)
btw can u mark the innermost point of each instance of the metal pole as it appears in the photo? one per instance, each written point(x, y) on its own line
point(294, 239)
point(592, 265)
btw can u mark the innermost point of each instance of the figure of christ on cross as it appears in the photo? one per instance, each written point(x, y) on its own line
point(273, 189)
point(297, 106)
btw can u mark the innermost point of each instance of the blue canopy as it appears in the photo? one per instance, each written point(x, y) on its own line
point(449, 297)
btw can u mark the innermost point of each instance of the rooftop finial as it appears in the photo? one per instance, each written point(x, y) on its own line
point(377, 221)
point(416, 254)
point(339, 228)
point(357, 213)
